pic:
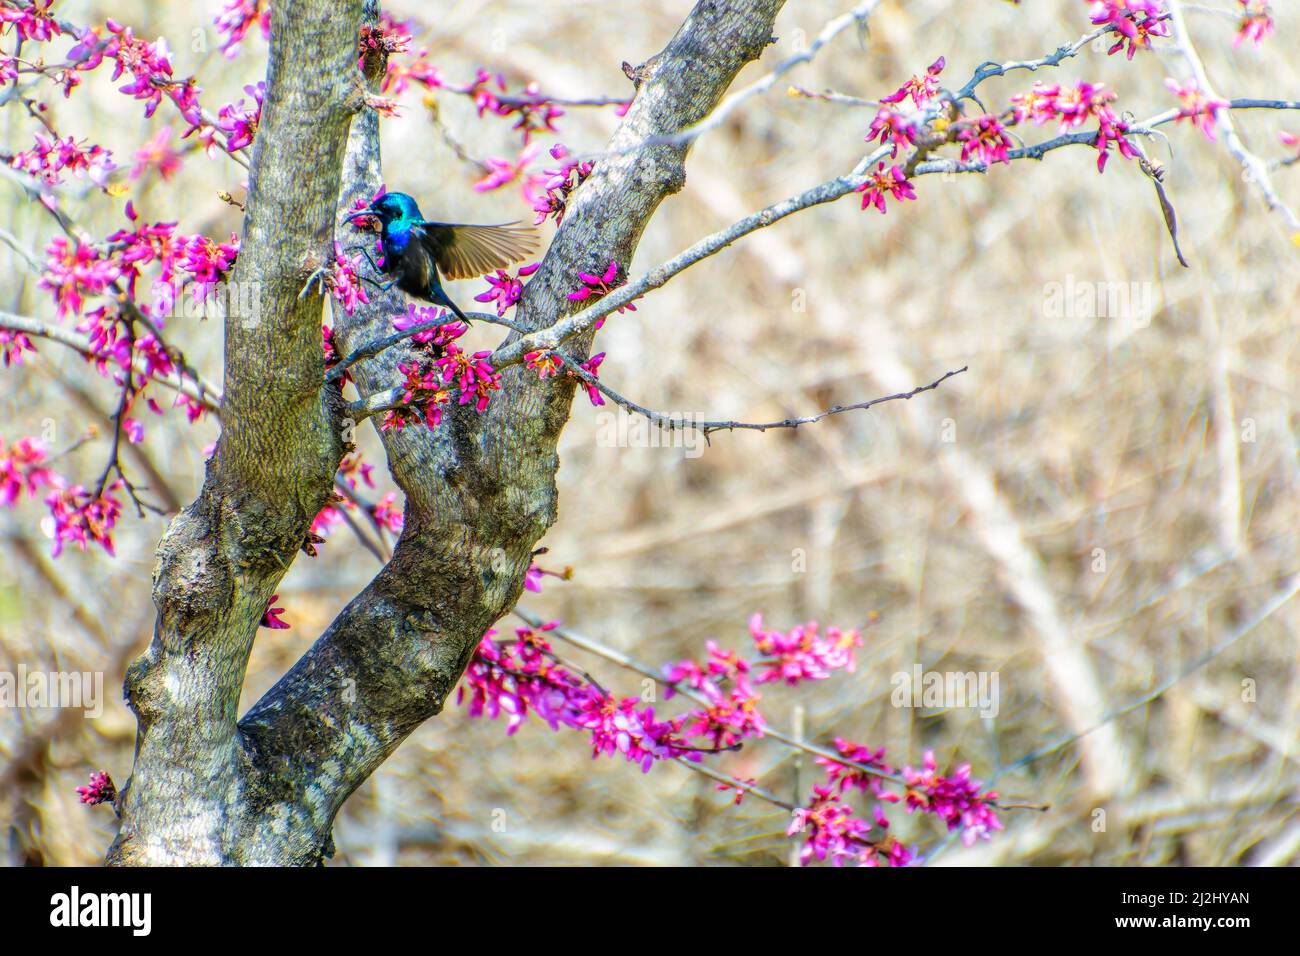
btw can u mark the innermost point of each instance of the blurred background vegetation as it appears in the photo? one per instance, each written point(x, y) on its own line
point(1169, 445)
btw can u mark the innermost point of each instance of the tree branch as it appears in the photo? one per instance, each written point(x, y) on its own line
point(681, 423)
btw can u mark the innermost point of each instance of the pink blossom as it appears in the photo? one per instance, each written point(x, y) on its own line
point(599, 286)
point(1074, 107)
point(1121, 14)
point(158, 154)
point(803, 653)
point(922, 89)
point(534, 575)
point(1145, 27)
point(505, 289)
point(352, 468)
point(151, 71)
point(592, 368)
point(207, 261)
point(80, 518)
point(846, 776)
point(52, 158)
point(438, 336)
point(536, 113)
point(75, 269)
point(326, 520)
point(343, 281)
point(829, 828)
point(545, 363)
point(884, 183)
point(1085, 101)
point(1110, 131)
point(12, 346)
point(621, 726)
point(956, 800)
point(271, 616)
point(22, 468)
point(32, 22)
point(424, 392)
point(109, 341)
point(502, 172)
point(101, 789)
point(473, 375)
point(1197, 107)
point(238, 121)
point(143, 245)
point(726, 719)
point(388, 37)
point(984, 138)
point(1039, 105)
point(387, 513)
point(237, 17)
point(398, 76)
point(480, 91)
point(1256, 22)
point(520, 679)
point(154, 356)
point(559, 185)
point(893, 129)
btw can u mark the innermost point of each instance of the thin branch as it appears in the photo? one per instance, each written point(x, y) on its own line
point(831, 96)
point(737, 783)
point(1289, 589)
point(550, 338)
point(708, 427)
point(990, 68)
point(376, 546)
point(541, 99)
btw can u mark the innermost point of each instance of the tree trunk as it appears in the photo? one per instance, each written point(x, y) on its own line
point(207, 787)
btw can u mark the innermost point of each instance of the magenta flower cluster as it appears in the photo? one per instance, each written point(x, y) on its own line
point(1135, 22)
point(344, 282)
point(80, 517)
point(437, 366)
point(557, 185)
point(505, 289)
point(101, 789)
point(1072, 107)
point(525, 677)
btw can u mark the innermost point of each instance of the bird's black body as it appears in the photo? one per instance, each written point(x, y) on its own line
point(419, 252)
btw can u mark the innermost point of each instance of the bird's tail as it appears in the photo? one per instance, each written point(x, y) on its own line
point(439, 297)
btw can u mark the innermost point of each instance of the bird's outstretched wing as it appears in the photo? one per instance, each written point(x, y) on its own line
point(463, 252)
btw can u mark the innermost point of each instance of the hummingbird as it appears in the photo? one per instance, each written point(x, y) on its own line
point(418, 251)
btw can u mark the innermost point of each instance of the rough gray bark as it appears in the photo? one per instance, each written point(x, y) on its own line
point(480, 489)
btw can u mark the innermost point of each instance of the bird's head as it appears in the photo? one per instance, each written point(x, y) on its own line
point(388, 208)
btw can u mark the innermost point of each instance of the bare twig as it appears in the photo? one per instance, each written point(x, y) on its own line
point(1270, 607)
point(708, 427)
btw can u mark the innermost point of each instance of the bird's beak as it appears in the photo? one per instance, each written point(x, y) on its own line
point(360, 214)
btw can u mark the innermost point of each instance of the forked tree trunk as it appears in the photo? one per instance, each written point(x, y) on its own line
point(208, 787)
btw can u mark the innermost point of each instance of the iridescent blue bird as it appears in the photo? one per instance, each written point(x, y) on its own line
point(419, 252)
